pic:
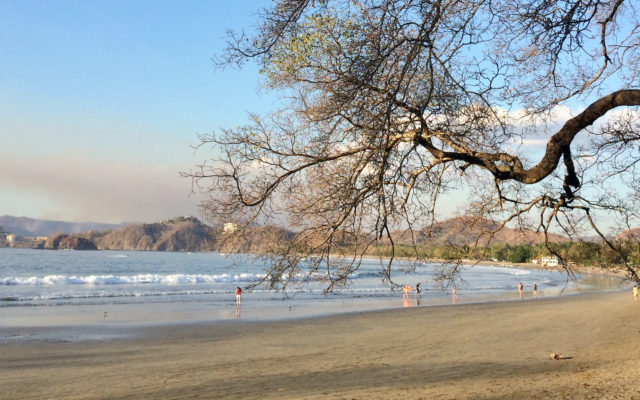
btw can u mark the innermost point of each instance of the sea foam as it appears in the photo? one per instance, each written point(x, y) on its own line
point(169, 279)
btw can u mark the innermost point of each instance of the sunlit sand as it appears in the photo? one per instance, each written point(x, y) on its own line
point(494, 350)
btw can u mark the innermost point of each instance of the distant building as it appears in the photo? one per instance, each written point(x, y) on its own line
point(11, 237)
point(550, 261)
point(230, 227)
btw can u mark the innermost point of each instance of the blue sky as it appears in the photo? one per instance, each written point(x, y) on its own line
point(100, 102)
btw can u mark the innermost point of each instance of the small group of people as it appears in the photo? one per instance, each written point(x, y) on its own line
point(534, 288)
point(406, 289)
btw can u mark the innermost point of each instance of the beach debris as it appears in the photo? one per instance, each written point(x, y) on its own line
point(556, 356)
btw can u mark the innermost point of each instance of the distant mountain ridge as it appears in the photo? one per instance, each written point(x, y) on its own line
point(23, 226)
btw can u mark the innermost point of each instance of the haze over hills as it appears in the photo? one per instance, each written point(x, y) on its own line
point(23, 226)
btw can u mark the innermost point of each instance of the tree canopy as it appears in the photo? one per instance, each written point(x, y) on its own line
point(388, 105)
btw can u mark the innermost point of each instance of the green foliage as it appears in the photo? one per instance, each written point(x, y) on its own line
point(499, 251)
point(584, 253)
point(308, 44)
point(578, 253)
point(520, 254)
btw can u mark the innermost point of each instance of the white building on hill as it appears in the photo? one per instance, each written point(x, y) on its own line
point(230, 227)
point(550, 261)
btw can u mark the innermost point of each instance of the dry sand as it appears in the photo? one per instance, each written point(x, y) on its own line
point(477, 351)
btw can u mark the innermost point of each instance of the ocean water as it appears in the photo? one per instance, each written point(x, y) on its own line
point(44, 288)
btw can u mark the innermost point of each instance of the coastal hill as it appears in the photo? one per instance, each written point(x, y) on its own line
point(64, 241)
point(185, 234)
point(177, 234)
point(631, 234)
point(466, 230)
point(190, 234)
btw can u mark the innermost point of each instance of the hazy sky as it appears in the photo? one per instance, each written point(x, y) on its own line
point(100, 102)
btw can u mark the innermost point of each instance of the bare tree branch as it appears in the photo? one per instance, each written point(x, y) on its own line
point(394, 103)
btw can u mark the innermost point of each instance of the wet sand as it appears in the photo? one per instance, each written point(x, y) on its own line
point(479, 351)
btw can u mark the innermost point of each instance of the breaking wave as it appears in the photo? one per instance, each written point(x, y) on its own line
point(157, 279)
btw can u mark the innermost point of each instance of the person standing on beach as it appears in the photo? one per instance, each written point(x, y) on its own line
point(454, 294)
point(418, 291)
point(520, 289)
point(238, 295)
point(405, 290)
point(535, 290)
point(635, 292)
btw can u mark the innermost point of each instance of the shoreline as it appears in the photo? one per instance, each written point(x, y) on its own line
point(76, 322)
point(617, 271)
point(74, 317)
point(480, 350)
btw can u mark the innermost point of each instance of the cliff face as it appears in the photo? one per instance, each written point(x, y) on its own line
point(63, 241)
point(180, 234)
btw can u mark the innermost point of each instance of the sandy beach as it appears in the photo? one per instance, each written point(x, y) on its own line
point(477, 351)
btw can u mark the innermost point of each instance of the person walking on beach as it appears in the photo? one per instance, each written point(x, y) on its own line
point(454, 294)
point(635, 292)
point(418, 288)
point(238, 295)
point(520, 289)
point(535, 290)
point(405, 290)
